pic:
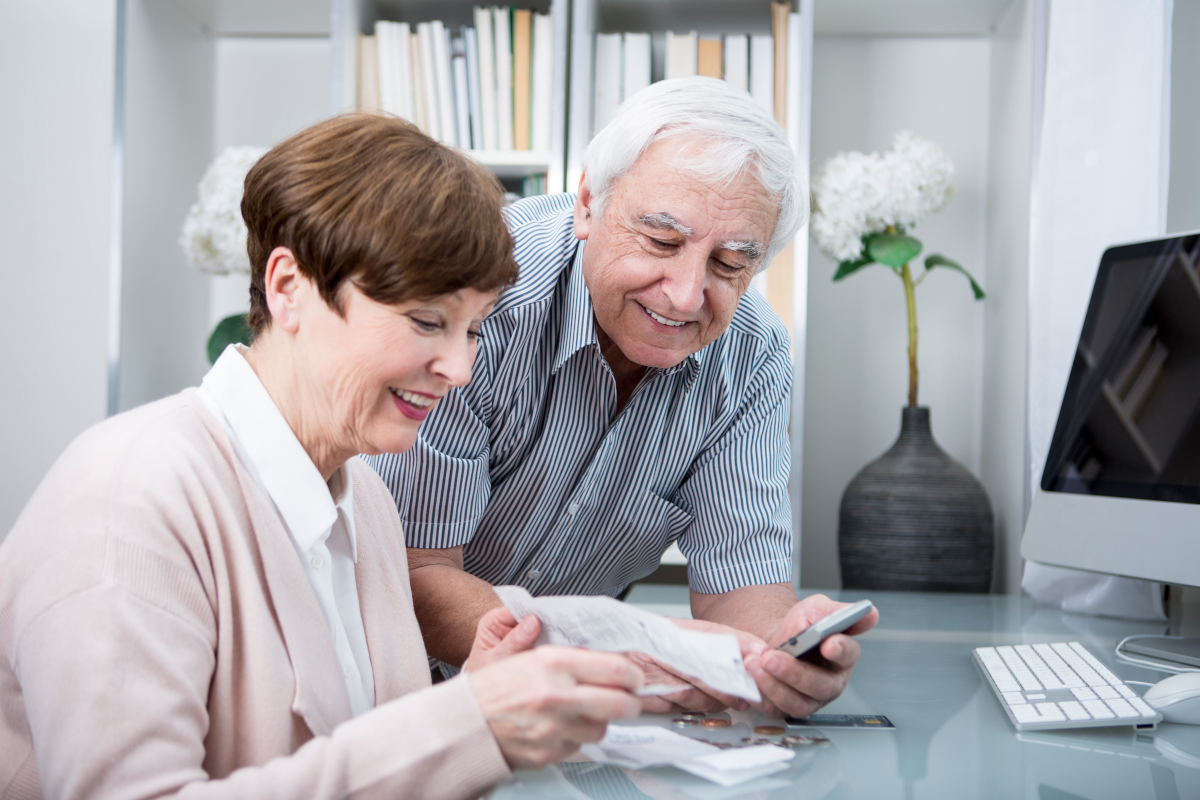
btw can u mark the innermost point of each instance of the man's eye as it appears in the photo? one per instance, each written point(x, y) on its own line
point(660, 244)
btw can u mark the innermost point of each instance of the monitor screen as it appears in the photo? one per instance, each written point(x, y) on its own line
point(1130, 420)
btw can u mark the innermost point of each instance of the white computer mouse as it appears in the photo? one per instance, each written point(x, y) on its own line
point(1177, 698)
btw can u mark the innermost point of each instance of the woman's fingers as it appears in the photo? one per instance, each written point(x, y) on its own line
point(498, 636)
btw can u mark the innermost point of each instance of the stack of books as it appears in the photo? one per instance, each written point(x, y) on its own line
point(756, 64)
point(485, 88)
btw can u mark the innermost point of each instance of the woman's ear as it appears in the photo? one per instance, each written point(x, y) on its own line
point(282, 283)
point(583, 209)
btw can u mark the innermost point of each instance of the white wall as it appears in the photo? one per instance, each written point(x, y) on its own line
point(56, 161)
point(266, 90)
point(1002, 464)
point(1183, 200)
point(864, 89)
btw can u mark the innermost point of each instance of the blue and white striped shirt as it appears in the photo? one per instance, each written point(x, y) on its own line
point(528, 469)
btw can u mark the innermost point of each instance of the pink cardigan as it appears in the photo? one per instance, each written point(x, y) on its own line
point(158, 636)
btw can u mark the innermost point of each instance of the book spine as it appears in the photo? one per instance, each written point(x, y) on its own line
point(543, 76)
point(420, 117)
point(462, 103)
point(681, 55)
point(779, 31)
point(445, 82)
point(487, 78)
point(708, 58)
point(794, 60)
point(762, 72)
point(402, 44)
point(502, 30)
point(636, 72)
point(522, 86)
point(368, 74)
point(607, 82)
point(385, 67)
point(737, 61)
point(429, 80)
point(472, 50)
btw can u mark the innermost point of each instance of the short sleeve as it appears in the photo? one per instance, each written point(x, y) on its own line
point(737, 491)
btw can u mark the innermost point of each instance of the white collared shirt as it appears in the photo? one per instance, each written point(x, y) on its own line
point(319, 516)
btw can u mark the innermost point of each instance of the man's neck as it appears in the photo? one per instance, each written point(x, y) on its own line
point(626, 373)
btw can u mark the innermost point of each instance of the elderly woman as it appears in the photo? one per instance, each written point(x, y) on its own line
point(208, 595)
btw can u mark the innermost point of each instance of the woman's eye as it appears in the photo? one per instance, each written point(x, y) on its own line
point(428, 326)
point(474, 336)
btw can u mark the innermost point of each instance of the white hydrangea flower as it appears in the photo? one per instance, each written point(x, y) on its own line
point(214, 235)
point(860, 193)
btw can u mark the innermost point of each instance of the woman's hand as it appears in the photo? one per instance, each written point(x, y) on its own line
point(498, 636)
point(543, 704)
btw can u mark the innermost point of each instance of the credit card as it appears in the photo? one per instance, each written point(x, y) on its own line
point(874, 721)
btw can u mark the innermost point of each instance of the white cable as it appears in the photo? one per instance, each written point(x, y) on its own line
point(1155, 664)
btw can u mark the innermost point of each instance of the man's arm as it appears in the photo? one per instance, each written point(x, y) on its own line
point(790, 687)
point(449, 602)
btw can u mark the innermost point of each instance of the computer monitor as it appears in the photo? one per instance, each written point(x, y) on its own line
point(1120, 492)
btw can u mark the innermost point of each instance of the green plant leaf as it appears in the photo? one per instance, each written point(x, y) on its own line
point(937, 260)
point(848, 267)
point(893, 249)
point(229, 330)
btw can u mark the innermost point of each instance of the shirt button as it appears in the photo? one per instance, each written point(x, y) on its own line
point(316, 562)
point(346, 670)
point(534, 574)
point(571, 509)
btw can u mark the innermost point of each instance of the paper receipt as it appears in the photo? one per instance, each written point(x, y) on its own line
point(602, 623)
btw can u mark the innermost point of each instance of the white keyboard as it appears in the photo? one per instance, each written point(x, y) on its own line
point(1060, 685)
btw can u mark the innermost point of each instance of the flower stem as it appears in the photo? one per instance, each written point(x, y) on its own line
point(911, 298)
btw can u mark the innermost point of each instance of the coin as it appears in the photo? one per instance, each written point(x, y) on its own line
point(691, 714)
point(769, 730)
point(751, 741)
point(715, 723)
point(685, 721)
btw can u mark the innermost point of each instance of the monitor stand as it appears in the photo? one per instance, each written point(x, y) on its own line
point(1184, 652)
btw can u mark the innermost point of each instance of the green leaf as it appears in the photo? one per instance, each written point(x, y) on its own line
point(847, 267)
point(229, 330)
point(893, 249)
point(937, 260)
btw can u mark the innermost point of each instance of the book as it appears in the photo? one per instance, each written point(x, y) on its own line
point(447, 125)
point(522, 45)
point(368, 74)
point(779, 31)
point(387, 71)
point(607, 80)
point(543, 82)
point(762, 72)
point(401, 36)
point(636, 71)
point(502, 31)
point(487, 78)
point(472, 53)
point(795, 56)
point(429, 81)
point(417, 66)
point(737, 61)
point(681, 55)
point(708, 58)
point(462, 103)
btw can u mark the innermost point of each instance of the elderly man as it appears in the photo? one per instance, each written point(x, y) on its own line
point(628, 393)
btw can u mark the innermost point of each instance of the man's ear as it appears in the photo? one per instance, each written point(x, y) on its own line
point(282, 283)
point(583, 209)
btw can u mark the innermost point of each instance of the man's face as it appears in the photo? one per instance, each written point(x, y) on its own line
point(670, 257)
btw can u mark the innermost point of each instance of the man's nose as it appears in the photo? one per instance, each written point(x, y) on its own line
point(684, 282)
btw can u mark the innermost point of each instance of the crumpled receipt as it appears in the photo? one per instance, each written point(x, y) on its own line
point(641, 746)
point(602, 623)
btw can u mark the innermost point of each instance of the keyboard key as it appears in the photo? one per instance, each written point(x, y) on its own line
point(1126, 692)
point(1013, 698)
point(1083, 693)
point(1095, 664)
point(1142, 706)
point(1074, 711)
point(1037, 713)
point(1123, 709)
point(1107, 693)
point(1036, 697)
point(1098, 710)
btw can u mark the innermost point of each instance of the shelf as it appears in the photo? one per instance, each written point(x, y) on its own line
point(513, 163)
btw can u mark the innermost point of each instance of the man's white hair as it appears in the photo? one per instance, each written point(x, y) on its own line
point(734, 134)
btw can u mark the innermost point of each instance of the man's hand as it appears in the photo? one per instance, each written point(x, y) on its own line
point(693, 695)
point(543, 704)
point(790, 687)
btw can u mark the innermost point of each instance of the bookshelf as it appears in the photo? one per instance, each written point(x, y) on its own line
point(350, 18)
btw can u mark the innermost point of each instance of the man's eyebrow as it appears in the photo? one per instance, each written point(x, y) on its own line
point(754, 250)
point(663, 221)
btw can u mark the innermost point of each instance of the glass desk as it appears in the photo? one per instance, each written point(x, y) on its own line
point(952, 739)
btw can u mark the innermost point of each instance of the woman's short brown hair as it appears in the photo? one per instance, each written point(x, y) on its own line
point(373, 201)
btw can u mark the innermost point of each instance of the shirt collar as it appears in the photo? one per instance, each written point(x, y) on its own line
point(309, 507)
point(579, 325)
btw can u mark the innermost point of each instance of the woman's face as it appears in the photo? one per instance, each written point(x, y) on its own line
point(374, 373)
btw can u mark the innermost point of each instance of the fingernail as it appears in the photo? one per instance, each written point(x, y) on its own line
point(753, 666)
point(528, 623)
point(773, 664)
point(838, 649)
point(756, 648)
